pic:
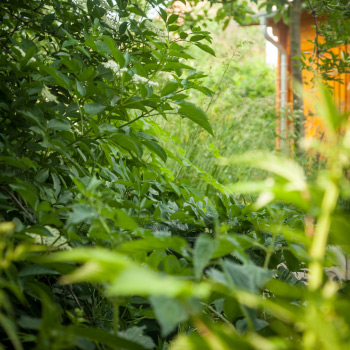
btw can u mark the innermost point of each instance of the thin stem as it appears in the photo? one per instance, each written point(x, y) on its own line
point(318, 247)
point(18, 203)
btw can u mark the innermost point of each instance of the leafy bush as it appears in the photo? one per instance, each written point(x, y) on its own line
point(101, 248)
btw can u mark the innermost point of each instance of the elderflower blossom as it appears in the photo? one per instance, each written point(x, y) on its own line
point(56, 241)
point(113, 66)
point(46, 93)
point(137, 79)
point(152, 83)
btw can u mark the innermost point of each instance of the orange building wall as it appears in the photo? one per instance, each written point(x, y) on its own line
point(313, 125)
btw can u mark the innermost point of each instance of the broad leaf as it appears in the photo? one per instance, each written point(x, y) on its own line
point(197, 115)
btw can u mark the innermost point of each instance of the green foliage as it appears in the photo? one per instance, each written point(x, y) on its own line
point(101, 246)
point(240, 108)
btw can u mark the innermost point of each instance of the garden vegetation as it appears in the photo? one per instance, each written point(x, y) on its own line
point(103, 245)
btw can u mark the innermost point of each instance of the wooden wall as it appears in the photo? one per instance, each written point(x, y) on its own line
point(313, 127)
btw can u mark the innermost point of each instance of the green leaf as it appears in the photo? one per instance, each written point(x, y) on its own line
point(123, 27)
point(172, 18)
point(143, 282)
point(118, 56)
point(29, 54)
point(27, 191)
point(60, 78)
point(59, 124)
point(80, 213)
point(39, 230)
point(128, 143)
point(283, 167)
point(125, 276)
point(125, 221)
point(327, 109)
point(197, 115)
point(80, 88)
point(169, 313)
point(153, 243)
point(204, 248)
point(206, 48)
point(93, 108)
point(135, 334)
point(156, 148)
point(248, 277)
point(22, 163)
point(169, 88)
point(101, 336)
point(35, 270)
point(11, 330)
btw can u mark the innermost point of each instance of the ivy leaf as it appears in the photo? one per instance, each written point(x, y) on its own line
point(197, 115)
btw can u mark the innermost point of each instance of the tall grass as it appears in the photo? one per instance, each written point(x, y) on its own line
point(241, 110)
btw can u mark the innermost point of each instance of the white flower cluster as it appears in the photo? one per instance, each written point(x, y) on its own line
point(137, 79)
point(161, 34)
point(56, 241)
point(114, 67)
point(47, 95)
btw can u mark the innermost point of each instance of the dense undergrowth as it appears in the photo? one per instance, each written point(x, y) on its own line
point(102, 245)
